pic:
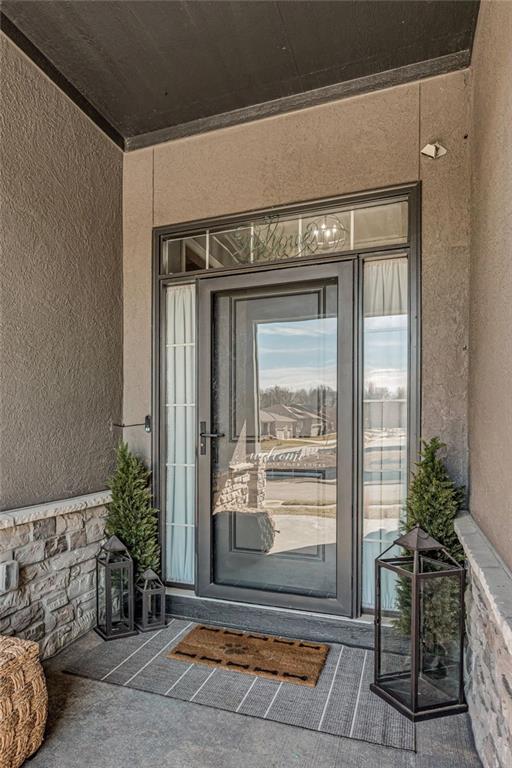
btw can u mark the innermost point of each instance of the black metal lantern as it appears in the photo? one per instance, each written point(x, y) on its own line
point(419, 649)
point(114, 591)
point(149, 602)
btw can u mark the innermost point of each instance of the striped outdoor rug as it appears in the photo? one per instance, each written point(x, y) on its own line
point(340, 704)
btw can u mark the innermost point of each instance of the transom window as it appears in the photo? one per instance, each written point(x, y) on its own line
point(277, 237)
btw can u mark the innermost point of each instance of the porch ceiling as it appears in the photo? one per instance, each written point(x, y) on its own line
point(150, 71)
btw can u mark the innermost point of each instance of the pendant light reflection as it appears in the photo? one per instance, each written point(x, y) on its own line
point(329, 233)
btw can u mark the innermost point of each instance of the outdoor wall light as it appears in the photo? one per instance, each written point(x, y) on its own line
point(434, 150)
point(419, 651)
point(114, 591)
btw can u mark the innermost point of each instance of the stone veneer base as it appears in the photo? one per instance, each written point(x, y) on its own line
point(56, 545)
point(489, 646)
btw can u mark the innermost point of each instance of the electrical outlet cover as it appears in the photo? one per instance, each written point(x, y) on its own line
point(9, 576)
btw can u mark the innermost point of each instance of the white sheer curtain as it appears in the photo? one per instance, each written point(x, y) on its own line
point(180, 433)
point(385, 287)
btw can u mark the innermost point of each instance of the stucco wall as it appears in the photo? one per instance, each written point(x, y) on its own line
point(347, 146)
point(61, 291)
point(490, 392)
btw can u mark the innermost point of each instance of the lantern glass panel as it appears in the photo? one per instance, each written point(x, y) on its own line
point(440, 651)
point(155, 607)
point(116, 591)
point(139, 603)
point(102, 598)
point(120, 591)
point(396, 649)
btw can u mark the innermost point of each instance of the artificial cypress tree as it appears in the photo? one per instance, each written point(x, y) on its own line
point(131, 515)
point(434, 502)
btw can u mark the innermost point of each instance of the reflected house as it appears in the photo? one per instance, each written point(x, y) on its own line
point(278, 425)
point(385, 409)
point(385, 414)
point(307, 423)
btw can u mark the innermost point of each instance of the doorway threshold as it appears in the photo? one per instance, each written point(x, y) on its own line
point(287, 622)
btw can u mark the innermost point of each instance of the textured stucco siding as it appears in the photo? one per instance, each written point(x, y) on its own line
point(137, 244)
point(351, 145)
point(61, 291)
point(343, 147)
point(445, 115)
point(490, 391)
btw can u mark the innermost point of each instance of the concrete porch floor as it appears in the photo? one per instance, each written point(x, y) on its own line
point(97, 725)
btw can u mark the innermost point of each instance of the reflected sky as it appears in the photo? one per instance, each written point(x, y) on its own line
point(301, 354)
point(385, 353)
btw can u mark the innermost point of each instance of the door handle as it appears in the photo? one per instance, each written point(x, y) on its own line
point(203, 435)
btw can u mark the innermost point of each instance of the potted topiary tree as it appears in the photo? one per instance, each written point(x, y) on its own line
point(131, 515)
point(433, 502)
point(133, 519)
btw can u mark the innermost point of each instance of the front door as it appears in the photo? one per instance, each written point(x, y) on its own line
point(275, 417)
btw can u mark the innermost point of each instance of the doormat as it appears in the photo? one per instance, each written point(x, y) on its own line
point(340, 704)
point(276, 658)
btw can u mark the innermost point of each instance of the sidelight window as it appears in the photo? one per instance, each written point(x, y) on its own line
point(385, 413)
point(178, 417)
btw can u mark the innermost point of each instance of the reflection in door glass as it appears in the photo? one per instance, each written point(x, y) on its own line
point(385, 344)
point(274, 471)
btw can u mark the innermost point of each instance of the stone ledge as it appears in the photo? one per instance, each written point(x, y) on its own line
point(488, 568)
point(14, 517)
point(55, 546)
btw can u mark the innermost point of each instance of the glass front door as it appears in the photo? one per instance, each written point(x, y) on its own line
point(275, 443)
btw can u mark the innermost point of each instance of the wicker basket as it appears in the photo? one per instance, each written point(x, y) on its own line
point(23, 701)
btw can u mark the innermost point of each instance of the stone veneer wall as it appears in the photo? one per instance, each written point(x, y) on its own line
point(489, 646)
point(55, 545)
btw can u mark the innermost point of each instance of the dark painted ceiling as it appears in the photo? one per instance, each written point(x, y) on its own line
point(172, 67)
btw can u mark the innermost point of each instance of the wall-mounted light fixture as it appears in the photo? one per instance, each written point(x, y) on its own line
point(434, 150)
point(146, 424)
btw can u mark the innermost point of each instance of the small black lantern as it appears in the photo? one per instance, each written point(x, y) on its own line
point(149, 602)
point(114, 591)
point(419, 650)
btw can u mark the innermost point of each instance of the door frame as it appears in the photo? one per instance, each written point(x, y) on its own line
point(411, 192)
point(346, 527)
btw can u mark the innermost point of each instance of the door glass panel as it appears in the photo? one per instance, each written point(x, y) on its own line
point(274, 403)
point(179, 419)
point(385, 363)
